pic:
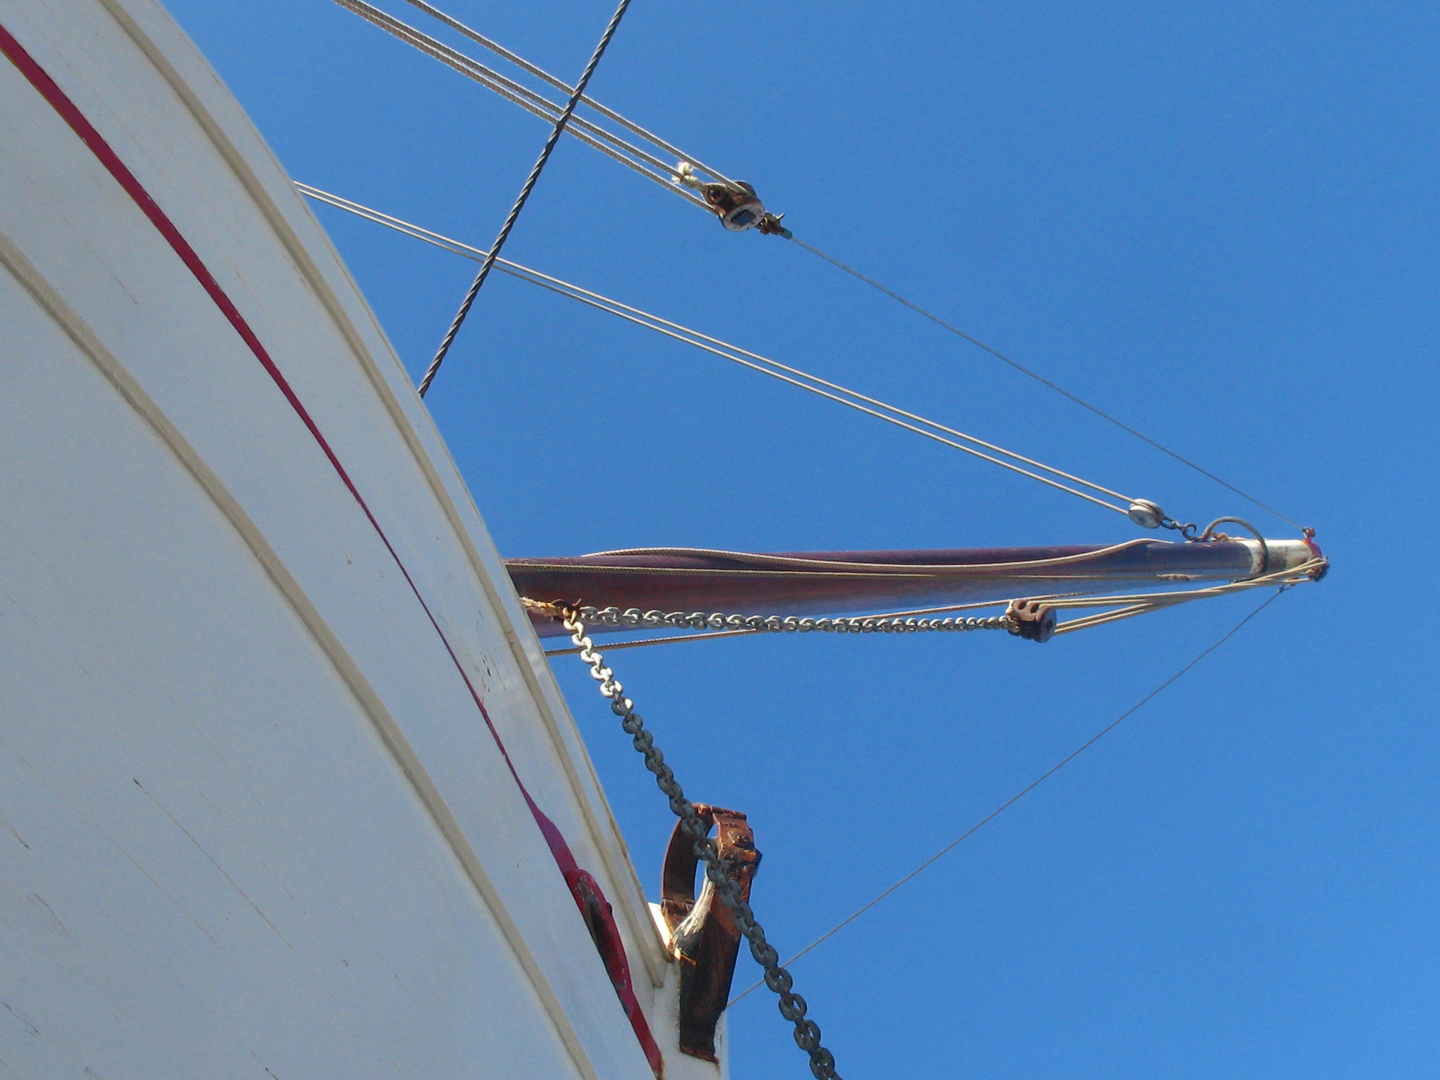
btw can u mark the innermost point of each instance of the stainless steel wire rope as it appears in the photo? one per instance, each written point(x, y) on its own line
point(665, 175)
point(520, 200)
point(646, 164)
point(1039, 378)
point(814, 384)
point(525, 65)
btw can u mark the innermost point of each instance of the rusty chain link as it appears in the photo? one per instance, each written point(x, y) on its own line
point(792, 1006)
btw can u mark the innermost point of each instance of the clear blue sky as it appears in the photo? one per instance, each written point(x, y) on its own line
point(1218, 221)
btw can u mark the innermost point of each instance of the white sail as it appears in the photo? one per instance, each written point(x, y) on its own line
point(253, 822)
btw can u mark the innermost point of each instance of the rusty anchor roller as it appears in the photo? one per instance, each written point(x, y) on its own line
point(703, 933)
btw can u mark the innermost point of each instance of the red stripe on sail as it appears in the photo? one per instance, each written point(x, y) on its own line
point(583, 887)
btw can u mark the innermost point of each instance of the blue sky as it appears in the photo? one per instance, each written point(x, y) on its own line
point(1217, 221)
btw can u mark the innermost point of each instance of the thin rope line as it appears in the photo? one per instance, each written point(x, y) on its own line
point(1023, 791)
point(826, 383)
point(558, 84)
point(1040, 378)
point(653, 322)
point(514, 214)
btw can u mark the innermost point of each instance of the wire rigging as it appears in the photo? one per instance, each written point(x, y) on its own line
point(520, 200)
point(525, 65)
point(1026, 790)
point(1039, 378)
point(832, 391)
point(614, 146)
point(673, 178)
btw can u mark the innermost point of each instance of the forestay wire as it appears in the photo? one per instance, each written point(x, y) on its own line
point(1097, 494)
point(545, 76)
point(669, 175)
point(646, 162)
point(1041, 379)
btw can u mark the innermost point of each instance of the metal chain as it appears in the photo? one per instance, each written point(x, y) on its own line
point(635, 619)
point(792, 1006)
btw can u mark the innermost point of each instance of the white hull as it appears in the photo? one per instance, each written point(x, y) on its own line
point(252, 822)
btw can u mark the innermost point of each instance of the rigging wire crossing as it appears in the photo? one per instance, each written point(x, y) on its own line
point(1026, 790)
point(675, 178)
point(1140, 511)
point(540, 73)
point(647, 163)
point(520, 200)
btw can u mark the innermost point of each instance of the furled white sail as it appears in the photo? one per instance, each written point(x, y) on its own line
point(277, 744)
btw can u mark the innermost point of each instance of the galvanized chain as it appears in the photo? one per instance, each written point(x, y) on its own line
point(792, 1005)
point(635, 619)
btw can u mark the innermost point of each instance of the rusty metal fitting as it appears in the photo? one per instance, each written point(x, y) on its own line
point(1031, 620)
point(556, 609)
point(704, 935)
point(772, 225)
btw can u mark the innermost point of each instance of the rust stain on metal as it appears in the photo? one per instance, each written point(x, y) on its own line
point(703, 931)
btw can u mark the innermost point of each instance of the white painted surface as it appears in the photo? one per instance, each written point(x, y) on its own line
point(251, 822)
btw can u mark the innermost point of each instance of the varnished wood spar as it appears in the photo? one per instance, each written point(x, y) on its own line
point(828, 582)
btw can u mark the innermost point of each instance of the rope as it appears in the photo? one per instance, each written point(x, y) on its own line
point(756, 362)
point(593, 135)
point(1144, 603)
point(1086, 745)
point(1040, 378)
point(529, 186)
point(540, 73)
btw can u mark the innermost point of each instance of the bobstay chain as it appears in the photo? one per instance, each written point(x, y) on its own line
point(792, 1006)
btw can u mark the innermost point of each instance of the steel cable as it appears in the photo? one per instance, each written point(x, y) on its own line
point(651, 167)
point(1038, 377)
point(513, 91)
point(540, 73)
point(520, 200)
point(756, 362)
